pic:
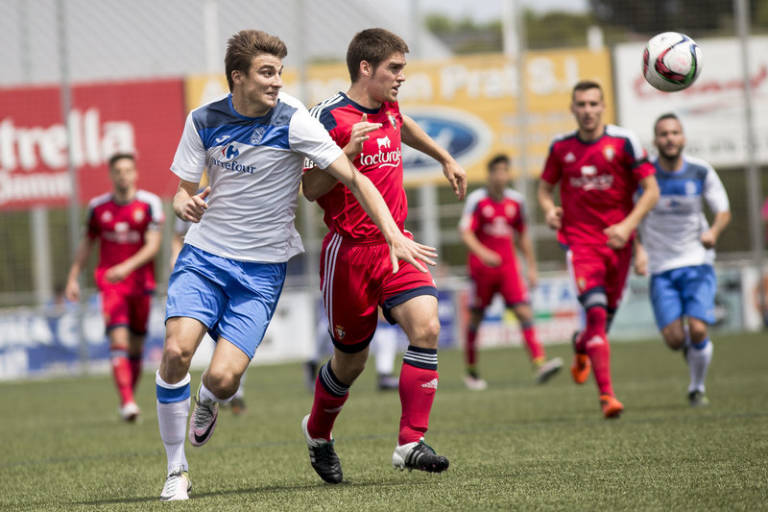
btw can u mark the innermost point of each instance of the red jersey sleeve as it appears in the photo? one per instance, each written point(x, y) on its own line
point(552, 168)
point(518, 223)
point(638, 158)
point(93, 228)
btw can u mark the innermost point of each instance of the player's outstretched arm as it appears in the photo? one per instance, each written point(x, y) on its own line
point(526, 247)
point(400, 246)
point(553, 214)
point(620, 233)
point(187, 203)
point(72, 290)
point(417, 138)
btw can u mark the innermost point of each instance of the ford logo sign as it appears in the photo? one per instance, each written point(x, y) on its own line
point(465, 136)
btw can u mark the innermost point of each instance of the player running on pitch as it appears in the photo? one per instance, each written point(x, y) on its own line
point(126, 222)
point(356, 276)
point(229, 275)
point(598, 167)
point(678, 250)
point(492, 216)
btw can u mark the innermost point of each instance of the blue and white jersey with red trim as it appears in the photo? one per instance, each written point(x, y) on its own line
point(254, 166)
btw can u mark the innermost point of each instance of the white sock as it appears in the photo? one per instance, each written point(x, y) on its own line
point(699, 357)
point(208, 398)
point(385, 345)
point(172, 420)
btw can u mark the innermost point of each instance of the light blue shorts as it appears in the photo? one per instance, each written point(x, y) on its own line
point(234, 299)
point(684, 291)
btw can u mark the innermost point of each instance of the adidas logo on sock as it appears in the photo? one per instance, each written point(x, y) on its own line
point(431, 384)
point(594, 340)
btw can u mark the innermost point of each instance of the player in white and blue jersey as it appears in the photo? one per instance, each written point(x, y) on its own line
point(677, 249)
point(230, 272)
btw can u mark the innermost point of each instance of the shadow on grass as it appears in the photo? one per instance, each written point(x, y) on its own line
point(259, 490)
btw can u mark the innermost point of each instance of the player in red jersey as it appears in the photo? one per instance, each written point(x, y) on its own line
point(599, 168)
point(356, 276)
point(492, 216)
point(126, 224)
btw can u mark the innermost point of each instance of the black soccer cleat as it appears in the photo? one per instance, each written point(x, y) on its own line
point(322, 456)
point(419, 455)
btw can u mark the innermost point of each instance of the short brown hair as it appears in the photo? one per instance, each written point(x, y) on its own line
point(585, 85)
point(247, 44)
point(501, 158)
point(373, 45)
point(119, 156)
point(664, 117)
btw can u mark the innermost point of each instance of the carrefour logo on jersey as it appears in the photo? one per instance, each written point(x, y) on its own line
point(465, 136)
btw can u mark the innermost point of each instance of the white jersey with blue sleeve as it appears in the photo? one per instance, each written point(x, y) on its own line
point(672, 230)
point(254, 167)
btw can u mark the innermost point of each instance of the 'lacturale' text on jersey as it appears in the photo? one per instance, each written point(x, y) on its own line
point(671, 232)
point(381, 161)
point(597, 181)
point(494, 221)
point(254, 165)
point(120, 229)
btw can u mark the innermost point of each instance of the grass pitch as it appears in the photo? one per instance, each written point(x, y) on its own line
point(516, 446)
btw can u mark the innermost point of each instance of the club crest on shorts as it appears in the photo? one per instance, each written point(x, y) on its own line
point(340, 332)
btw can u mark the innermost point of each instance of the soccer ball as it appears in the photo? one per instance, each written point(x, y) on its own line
point(671, 61)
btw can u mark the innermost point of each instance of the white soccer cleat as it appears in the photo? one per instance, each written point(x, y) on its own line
point(202, 421)
point(548, 370)
point(418, 455)
point(129, 412)
point(177, 485)
point(475, 383)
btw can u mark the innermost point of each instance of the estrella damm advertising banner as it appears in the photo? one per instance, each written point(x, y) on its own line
point(468, 104)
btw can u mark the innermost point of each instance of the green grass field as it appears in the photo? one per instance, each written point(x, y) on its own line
point(516, 446)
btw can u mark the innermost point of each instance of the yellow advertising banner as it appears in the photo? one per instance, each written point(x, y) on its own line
point(469, 104)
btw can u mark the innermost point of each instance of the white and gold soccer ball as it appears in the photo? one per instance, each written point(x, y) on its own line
point(671, 61)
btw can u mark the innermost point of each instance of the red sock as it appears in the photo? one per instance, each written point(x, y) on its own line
point(535, 349)
point(330, 395)
point(595, 344)
point(135, 362)
point(470, 350)
point(418, 384)
point(599, 353)
point(121, 371)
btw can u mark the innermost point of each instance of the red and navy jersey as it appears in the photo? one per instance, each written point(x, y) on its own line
point(494, 222)
point(597, 181)
point(120, 229)
point(381, 161)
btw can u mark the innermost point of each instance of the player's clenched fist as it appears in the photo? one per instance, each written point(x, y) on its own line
point(193, 208)
point(554, 217)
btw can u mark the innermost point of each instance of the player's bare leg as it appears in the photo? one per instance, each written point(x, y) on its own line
point(331, 392)
point(543, 369)
point(182, 336)
point(119, 349)
point(472, 379)
point(418, 384)
point(218, 385)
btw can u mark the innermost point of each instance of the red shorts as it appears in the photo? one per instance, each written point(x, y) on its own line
point(596, 267)
point(356, 278)
point(125, 310)
point(488, 281)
